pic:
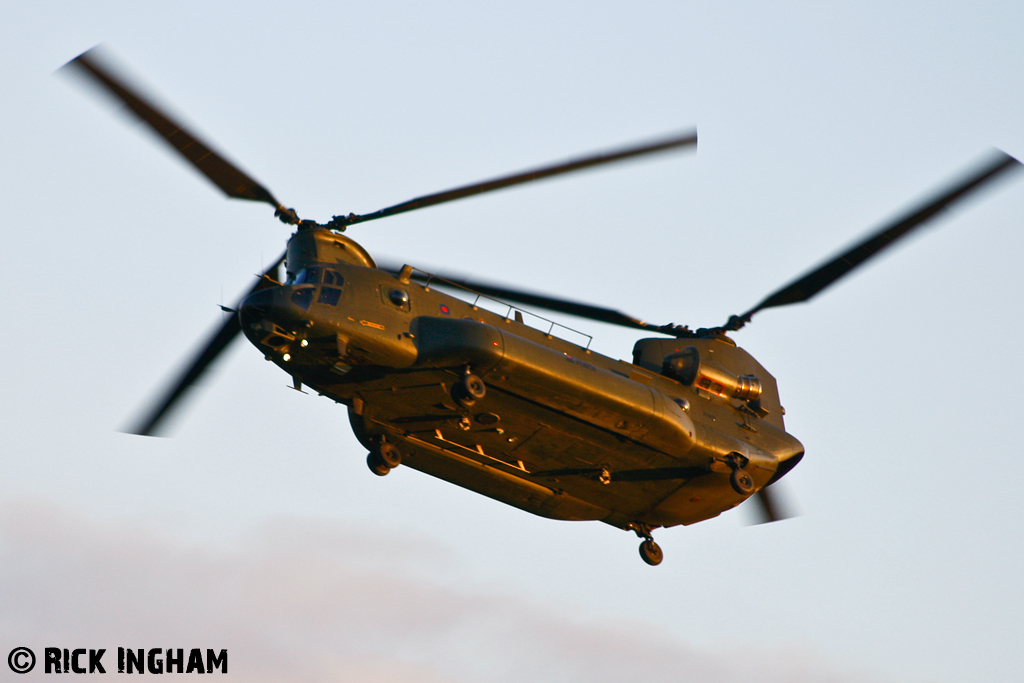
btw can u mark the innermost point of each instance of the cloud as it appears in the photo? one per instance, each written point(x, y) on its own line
point(308, 600)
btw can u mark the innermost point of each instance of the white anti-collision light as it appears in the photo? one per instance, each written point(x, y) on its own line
point(304, 343)
point(286, 357)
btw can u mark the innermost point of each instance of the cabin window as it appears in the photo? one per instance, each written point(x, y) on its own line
point(399, 297)
point(329, 295)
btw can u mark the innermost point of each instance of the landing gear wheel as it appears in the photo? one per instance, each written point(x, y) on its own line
point(651, 553)
point(742, 482)
point(468, 390)
point(389, 455)
point(376, 464)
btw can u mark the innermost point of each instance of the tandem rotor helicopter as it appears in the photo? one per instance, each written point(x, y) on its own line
point(443, 375)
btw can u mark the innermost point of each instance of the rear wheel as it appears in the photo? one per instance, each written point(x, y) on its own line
point(742, 482)
point(389, 455)
point(651, 553)
point(376, 464)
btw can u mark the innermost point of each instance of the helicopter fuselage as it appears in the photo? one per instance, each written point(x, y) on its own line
point(562, 431)
point(478, 397)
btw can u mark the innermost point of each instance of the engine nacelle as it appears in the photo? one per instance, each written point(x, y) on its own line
point(688, 367)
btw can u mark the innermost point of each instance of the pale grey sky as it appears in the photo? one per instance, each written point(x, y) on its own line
point(306, 600)
point(817, 121)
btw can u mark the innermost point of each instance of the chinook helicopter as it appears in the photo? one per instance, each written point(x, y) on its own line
point(457, 378)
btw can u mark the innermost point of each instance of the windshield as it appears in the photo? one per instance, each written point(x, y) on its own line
point(306, 276)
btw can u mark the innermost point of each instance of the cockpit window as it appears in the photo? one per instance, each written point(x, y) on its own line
point(303, 298)
point(333, 277)
point(329, 295)
point(307, 276)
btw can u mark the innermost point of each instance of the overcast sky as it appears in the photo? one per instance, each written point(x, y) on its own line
point(258, 527)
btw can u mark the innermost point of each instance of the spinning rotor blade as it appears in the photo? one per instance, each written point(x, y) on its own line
point(550, 303)
point(218, 341)
point(229, 178)
point(804, 288)
point(770, 506)
point(688, 139)
point(235, 183)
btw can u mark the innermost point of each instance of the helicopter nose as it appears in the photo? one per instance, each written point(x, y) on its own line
point(286, 307)
point(254, 308)
point(270, 318)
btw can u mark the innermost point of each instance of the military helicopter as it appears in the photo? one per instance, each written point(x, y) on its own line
point(458, 379)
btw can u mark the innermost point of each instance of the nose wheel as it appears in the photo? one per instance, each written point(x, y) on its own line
point(383, 458)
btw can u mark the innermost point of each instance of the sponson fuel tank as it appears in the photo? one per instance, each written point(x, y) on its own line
point(556, 380)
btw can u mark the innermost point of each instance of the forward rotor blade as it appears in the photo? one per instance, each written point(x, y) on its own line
point(229, 178)
point(550, 303)
point(807, 286)
point(688, 139)
point(150, 424)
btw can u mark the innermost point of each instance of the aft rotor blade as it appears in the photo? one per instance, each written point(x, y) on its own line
point(550, 303)
point(681, 140)
point(770, 506)
point(151, 422)
point(828, 273)
point(229, 178)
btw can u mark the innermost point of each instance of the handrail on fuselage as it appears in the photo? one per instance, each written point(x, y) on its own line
point(551, 324)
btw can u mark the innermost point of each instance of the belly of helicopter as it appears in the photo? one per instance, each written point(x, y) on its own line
point(528, 455)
